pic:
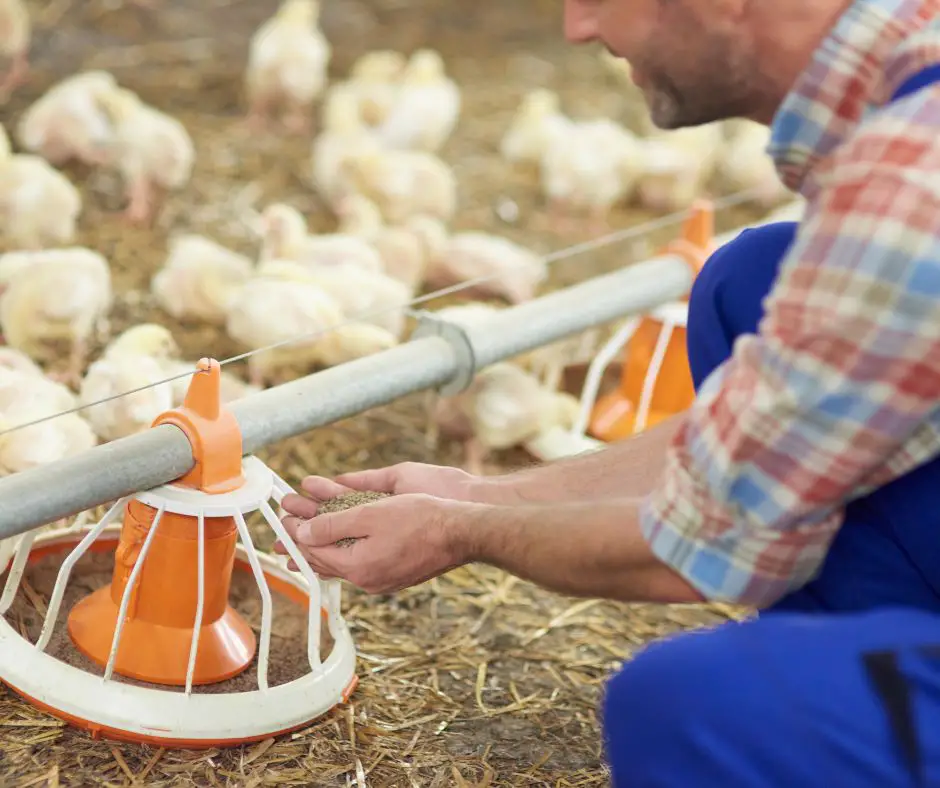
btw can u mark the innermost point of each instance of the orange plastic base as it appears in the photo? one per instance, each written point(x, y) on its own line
point(160, 654)
point(614, 418)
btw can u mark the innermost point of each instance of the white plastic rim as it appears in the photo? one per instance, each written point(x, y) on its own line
point(198, 719)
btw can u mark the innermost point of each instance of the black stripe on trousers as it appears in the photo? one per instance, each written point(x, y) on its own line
point(894, 691)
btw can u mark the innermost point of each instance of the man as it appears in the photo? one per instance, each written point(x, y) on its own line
point(804, 480)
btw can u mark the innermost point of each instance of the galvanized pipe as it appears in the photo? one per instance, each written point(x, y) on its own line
point(50, 492)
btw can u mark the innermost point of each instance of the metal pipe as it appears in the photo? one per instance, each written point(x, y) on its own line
point(50, 492)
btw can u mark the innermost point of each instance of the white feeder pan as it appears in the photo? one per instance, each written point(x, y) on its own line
point(174, 718)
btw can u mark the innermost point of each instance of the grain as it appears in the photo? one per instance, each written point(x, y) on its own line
point(347, 501)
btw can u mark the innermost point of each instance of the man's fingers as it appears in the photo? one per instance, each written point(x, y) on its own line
point(322, 489)
point(298, 505)
point(378, 480)
point(327, 529)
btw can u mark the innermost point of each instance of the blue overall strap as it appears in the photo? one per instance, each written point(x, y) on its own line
point(922, 79)
point(882, 666)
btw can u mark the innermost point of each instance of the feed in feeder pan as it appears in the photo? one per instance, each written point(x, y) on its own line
point(166, 617)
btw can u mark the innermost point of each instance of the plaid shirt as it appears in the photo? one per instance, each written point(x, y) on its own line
point(839, 392)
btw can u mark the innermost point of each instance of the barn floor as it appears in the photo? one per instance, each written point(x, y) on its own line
point(473, 679)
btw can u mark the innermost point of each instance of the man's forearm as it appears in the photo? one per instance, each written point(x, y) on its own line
point(593, 549)
point(628, 468)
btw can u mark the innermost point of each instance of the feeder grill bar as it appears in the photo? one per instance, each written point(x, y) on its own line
point(157, 456)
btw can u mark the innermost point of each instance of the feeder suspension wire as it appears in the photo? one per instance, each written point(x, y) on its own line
point(644, 228)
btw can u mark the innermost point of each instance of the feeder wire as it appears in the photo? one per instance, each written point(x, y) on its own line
point(643, 228)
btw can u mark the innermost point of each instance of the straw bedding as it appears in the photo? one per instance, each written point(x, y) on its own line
point(472, 679)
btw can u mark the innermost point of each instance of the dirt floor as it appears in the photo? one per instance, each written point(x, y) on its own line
point(473, 679)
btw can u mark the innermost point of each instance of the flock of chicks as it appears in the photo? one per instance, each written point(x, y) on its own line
point(375, 163)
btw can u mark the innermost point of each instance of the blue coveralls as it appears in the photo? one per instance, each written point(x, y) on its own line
point(838, 684)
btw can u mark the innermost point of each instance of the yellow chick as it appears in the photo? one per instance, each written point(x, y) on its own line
point(504, 407)
point(285, 237)
point(134, 360)
point(588, 169)
point(678, 165)
point(373, 79)
point(17, 385)
point(152, 150)
point(344, 136)
point(67, 121)
point(404, 184)
point(39, 206)
point(283, 305)
point(426, 108)
point(513, 272)
point(369, 296)
point(40, 444)
point(745, 165)
point(537, 121)
point(287, 64)
point(199, 278)
point(403, 249)
point(56, 294)
point(15, 33)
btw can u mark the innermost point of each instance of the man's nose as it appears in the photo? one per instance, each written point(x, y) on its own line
point(580, 21)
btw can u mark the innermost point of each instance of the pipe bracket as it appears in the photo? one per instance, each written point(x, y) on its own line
point(457, 338)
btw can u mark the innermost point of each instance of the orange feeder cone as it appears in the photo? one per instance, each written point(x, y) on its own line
point(615, 415)
point(157, 633)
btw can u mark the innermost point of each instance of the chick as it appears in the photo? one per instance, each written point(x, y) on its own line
point(199, 278)
point(537, 121)
point(25, 447)
point(133, 362)
point(285, 237)
point(404, 184)
point(403, 249)
point(373, 79)
point(19, 385)
point(68, 122)
point(54, 295)
point(287, 63)
point(39, 206)
point(15, 33)
point(503, 407)
point(512, 271)
point(745, 165)
point(283, 305)
point(587, 169)
point(677, 166)
point(369, 296)
point(344, 136)
point(426, 107)
point(152, 149)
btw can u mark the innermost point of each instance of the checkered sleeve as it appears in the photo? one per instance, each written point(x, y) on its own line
point(838, 392)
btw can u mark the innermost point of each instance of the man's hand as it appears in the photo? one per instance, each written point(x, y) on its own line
point(439, 481)
point(402, 540)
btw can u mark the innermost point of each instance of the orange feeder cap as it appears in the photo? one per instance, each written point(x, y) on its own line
point(615, 415)
point(157, 632)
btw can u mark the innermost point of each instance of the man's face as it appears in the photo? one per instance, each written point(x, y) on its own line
point(691, 58)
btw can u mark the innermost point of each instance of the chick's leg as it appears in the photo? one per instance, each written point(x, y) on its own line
point(475, 454)
point(256, 372)
point(77, 359)
point(141, 200)
point(297, 119)
point(17, 74)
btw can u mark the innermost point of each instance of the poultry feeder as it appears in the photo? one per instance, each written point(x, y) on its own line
point(166, 618)
point(655, 380)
